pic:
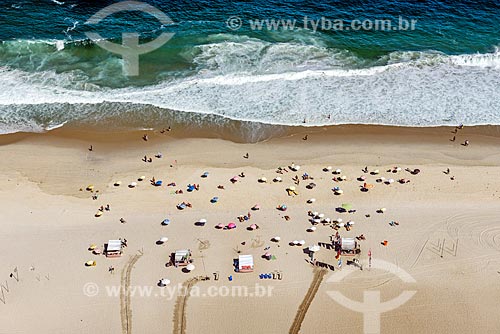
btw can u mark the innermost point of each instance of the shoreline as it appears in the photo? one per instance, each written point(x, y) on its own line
point(482, 132)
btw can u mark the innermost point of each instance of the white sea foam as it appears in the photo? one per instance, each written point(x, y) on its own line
point(276, 87)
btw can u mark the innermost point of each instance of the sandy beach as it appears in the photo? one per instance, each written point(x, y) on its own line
point(447, 236)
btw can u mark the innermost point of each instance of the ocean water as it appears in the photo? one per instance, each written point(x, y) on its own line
point(252, 81)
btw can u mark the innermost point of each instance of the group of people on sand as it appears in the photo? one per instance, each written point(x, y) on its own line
point(457, 128)
point(107, 208)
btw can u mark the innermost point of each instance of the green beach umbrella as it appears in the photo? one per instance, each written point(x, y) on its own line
point(347, 206)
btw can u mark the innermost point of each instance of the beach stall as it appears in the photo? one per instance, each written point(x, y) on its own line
point(349, 246)
point(182, 257)
point(245, 263)
point(113, 248)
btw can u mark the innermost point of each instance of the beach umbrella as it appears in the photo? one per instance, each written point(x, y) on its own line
point(302, 242)
point(267, 255)
point(190, 267)
point(165, 222)
point(253, 227)
point(314, 248)
point(376, 171)
point(316, 221)
point(321, 215)
point(311, 200)
point(202, 221)
point(362, 177)
point(340, 220)
point(346, 206)
point(382, 209)
point(343, 177)
point(141, 178)
point(398, 169)
point(164, 281)
point(276, 238)
point(339, 192)
point(338, 171)
point(311, 229)
point(133, 185)
point(219, 225)
point(231, 225)
point(163, 239)
point(90, 187)
point(277, 179)
point(295, 242)
point(315, 213)
point(329, 168)
point(98, 214)
point(390, 180)
point(327, 220)
point(292, 188)
point(117, 183)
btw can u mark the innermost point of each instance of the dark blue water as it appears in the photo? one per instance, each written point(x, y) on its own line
point(445, 70)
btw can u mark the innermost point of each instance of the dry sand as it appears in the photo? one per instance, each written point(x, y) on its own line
point(47, 224)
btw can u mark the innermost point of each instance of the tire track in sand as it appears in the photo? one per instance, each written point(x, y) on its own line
point(180, 306)
point(125, 308)
point(319, 274)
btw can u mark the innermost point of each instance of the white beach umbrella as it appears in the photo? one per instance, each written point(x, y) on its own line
point(164, 281)
point(203, 221)
point(277, 179)
point(133, 184)
point(190, 267)
point(311, 229)
point(276, 238)
point(316, 221)
point(311, 200)
point(302, 242)
point(314, 248)
point(141, 178)
point(321, 215)
point(295, 242)
point(340, 220)
point(163, 239)
point(329, 168)
point(339, 192)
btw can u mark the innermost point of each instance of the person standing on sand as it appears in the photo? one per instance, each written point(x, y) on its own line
point(369, 258)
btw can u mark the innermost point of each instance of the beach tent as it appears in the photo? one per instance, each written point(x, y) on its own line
point(348, 244)
point(182, 257)
point(245, 263)
point(349, 247)
point(114, 248)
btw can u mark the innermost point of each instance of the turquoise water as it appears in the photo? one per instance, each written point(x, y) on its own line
point(445, 71)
